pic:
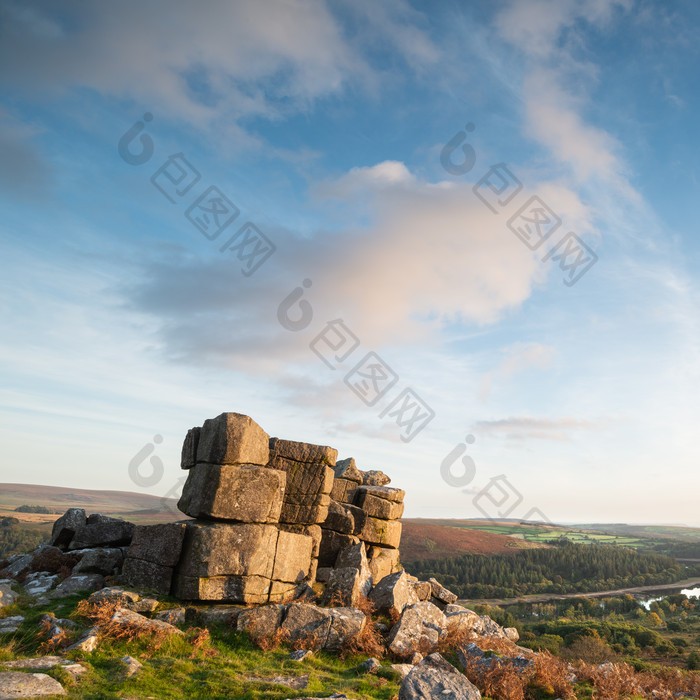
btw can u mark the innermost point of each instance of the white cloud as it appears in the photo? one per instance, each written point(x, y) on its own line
point(241, 58)
point(530, 427)
point(518, 358)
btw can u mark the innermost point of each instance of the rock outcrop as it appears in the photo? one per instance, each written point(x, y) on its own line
point(267, 513)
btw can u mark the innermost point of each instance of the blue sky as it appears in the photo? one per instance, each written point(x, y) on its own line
point(324, 124)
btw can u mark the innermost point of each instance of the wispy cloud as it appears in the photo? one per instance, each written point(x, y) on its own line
point(529, 428)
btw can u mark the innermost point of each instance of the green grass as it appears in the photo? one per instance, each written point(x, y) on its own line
point(219, 668)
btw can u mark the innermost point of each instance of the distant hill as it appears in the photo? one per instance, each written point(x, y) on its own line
point(430, 539)
point(137, 507)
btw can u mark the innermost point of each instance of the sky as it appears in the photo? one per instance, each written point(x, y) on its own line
point(456, 241)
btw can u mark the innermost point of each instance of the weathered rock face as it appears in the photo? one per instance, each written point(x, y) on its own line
point(246, 493)
point(241, 562)
point(101, 530)
point(436, 679)
point(419, 629)
point(232, 438)
point(151, 558)
point(393, 593)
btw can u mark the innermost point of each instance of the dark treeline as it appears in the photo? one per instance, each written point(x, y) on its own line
point(15, 539)
point(563, 568)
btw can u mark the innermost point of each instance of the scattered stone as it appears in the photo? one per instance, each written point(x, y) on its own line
point(16, 684)
point(345, 623)
point(416, 658)
point(19, 565)
point(129, 618)
point(39, 583)
point(470, 653)
point(7, 596)
point(41, 663)
point(146, 605)
point(441, 593)
point(10, 624)
point(102, 531)
point(345, 587)
point(75, 670)
point(78, 582)
point(463, 621)
point(87, 643)
point(131, 666)
point(293, 682)
point(393, 593)
point(436, 679)
point(301, 655)
point(371, 665)
point(402, 669)
point(219, 614)
point(422, 589)
point(100, 561)
point(419, 629)
point(173, 616)
point(114, 594)
point(511, 633)
point(65, 528)
point(260, 622)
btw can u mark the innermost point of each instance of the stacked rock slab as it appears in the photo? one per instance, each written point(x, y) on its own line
point(234, 549)
point(363, 509)
point(267, 513)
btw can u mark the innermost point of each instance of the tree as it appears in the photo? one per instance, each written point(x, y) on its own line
point(654, 620)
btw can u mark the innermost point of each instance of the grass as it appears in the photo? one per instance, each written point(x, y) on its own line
point(199, 664)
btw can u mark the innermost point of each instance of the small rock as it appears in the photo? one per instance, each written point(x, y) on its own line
point(402, 669)
point(79, 582)
point(436, 679)
point(146, 605)
point(132, 619)
point(301, 654)
point(441, 593)
point(16, 684)
point(416, 658)
point(219, 614)
point(74, 670)
point(371, 665)
point(114, 594)
point(105, 561)
point(293, 682)
point(7, 596)
point(132, 665)
point(87, 642)
point(175, 616)
point(374, 477)
point(19, 565)
point(10, 624)
point(41, 663)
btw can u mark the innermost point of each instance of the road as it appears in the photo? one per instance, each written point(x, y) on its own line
point(547, 597)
